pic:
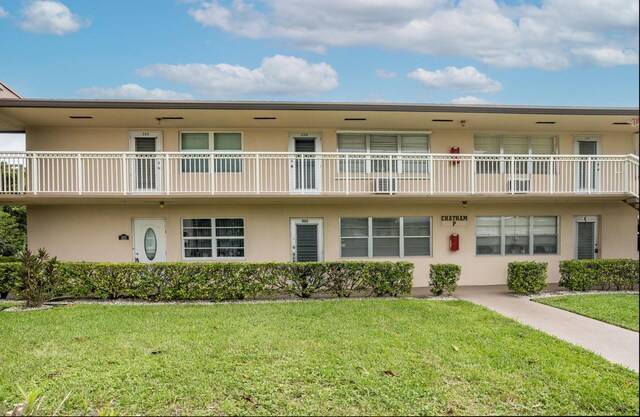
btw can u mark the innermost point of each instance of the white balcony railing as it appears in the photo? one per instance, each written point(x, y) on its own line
point(90, 173)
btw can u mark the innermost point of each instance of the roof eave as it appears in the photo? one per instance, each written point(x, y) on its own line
point(316, 106)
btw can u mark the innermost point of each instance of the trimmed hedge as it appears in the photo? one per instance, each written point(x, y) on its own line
point(219, 281)
point(527, 277)
point(443, 278)
point(8, 277)
point(583, 274)
point(4, 259)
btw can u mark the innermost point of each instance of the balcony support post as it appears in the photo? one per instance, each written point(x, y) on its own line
point(625, 175)
point(348, 172)
point(589, 173)
point(473, 174)
point(125, 174)
point(550, 172)
point(389, 172)
point(511, 174)
point(212, 175)
point(429, 175)
point(258, 174)
point(34, 176)
point(79, 170)
point(167, 174)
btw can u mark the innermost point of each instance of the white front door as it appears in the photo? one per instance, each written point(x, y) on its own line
point(149, 240)
point(587, 172)
point(146, 166)
point(306, 240)
point(305, 168)
point(586, 237)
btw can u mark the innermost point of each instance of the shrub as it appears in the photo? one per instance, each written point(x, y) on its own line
point(11, 258)
point(8, 277)
point(217, 281)
point(346, 278)
point(389, 278)
point(38, 277)
point(583, 274)
point(443, 278)
point(527, 277)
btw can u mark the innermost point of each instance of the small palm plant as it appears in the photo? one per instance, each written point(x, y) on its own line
point(38, 278)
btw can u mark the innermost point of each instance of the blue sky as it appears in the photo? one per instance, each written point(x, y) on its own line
point(545, 52)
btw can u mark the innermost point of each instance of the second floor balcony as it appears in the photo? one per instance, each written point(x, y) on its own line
point(325, 174)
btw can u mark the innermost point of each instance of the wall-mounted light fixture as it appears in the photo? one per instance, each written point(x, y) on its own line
point(464, 204)
point(463, 122)
point(162, 204)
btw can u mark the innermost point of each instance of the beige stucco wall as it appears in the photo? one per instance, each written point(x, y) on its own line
point(90, 232)
point(277, 140)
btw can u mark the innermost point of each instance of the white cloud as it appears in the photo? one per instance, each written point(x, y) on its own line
point(277, 75)
point(132, 92)
point(469, 100)
point(606, 57)
point(381, 73)
point(547, 34)
point(3, 12)
point(48, 16)
point(452, 78)
point(212, 14)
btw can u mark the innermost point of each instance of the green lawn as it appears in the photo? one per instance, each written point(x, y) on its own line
point(367, 357)
point(6, 304)
point(619, 309)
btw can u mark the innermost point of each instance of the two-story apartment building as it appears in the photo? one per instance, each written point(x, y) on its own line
point(479, 186)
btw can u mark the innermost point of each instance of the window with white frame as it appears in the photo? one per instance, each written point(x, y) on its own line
point(207, 238)
point(400, 148)
point(373, 237)
point(218, 142)
point(516, 235)
point(514, 145)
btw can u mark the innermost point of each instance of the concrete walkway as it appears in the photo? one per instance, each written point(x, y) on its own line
point(614, 343)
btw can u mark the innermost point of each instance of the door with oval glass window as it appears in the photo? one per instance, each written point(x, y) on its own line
point(149, 240)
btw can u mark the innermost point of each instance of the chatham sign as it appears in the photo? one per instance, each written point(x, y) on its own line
point(453, 220)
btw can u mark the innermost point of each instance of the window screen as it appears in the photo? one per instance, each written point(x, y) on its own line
point(417, 236)
point(354, 240)
point(230, 238)
point(410, 144)
point(227, 143)
point(488, 235)
point(517, 235)
point(401, 145)
point(386, 237)
point(545, 234)
point(197, 238)
point(201, 236)
point(382, 237)
point(352, 143)
point(196, 142)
